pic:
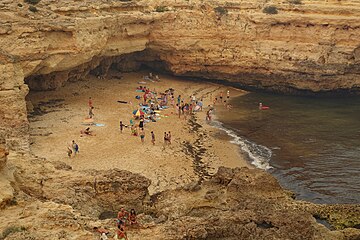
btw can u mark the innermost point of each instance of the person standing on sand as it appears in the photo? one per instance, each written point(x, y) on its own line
point(75, 147)
point(186, 110)
point(193, 98)
point(141, 123)
point(221, 96)
point(172, 101)
point(152, 137)
point(165, 138)
point(145, 98)
point(142, 135)
point(121, 126)
point(228, 94)
point(200, 104)
point(91, 114)
point(179, 99)
point(208, 115)
point(90, 102)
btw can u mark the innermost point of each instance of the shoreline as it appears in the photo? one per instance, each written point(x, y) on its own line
point(193, 154)
point(180, 197)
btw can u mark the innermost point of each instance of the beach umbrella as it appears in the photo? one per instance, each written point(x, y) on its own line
point(138, 113)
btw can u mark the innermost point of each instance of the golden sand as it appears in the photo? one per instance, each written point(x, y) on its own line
point(191, 155)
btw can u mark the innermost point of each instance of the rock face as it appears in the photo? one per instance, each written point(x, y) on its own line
point(234, 204)
point(245, 204)
point(90, 192)
point(307, 47)
point(6, 193)
point(3, 155)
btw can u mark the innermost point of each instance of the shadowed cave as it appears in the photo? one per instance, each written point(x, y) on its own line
point(100, 67)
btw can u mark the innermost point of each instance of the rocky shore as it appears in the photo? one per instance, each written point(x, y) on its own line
point(180, 191)
point(200, 187)
point(238, 203)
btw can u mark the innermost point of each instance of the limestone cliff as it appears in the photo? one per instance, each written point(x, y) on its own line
point(312, 46)
point(307, 46)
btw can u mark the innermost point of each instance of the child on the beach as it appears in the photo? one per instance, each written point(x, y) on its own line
point(165, 138)
point(69, 152)
point(134, 131)
point(169, 137)
point(152, 137)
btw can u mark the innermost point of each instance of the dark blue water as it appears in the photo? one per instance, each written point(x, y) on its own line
point(312, 145)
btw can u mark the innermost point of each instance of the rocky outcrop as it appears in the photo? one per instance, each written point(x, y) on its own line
point(246, 204)
point(43, 220)
point(13, 115)
point(238, 203)
point(90, 192)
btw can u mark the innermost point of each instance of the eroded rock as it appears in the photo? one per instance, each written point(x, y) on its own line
point(91, 192)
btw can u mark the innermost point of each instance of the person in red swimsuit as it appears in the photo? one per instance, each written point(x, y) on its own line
point(121, 234)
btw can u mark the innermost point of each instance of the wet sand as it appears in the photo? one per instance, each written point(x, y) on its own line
point(195, 153)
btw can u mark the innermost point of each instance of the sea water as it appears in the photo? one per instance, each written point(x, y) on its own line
point(311, 145)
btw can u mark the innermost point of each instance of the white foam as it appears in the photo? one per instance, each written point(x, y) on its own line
point(258, 154)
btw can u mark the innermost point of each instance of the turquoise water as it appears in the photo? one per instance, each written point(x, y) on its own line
point(312, 145)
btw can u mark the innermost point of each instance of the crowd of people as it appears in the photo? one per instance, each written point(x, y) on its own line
point(123, 220)
point(150, 105)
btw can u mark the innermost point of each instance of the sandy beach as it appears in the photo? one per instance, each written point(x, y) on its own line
point(197, 149)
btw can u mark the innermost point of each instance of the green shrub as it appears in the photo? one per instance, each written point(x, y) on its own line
point(221, 11)
point(161, 9)
point(295, 1)
point(33, 9)
point(32, 1)
point(270, 10)
point(11, 230)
